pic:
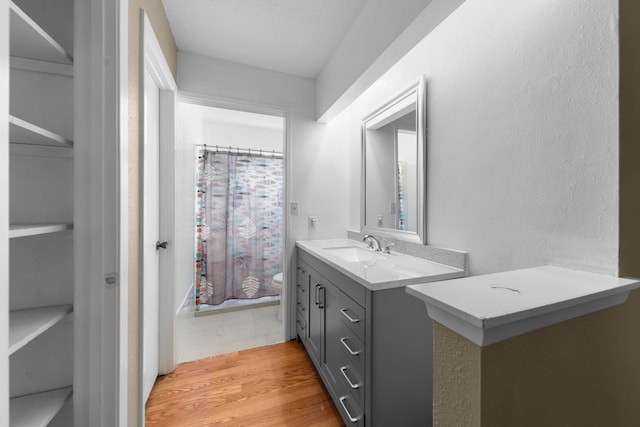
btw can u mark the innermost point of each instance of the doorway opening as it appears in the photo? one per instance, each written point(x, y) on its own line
point(231, 162)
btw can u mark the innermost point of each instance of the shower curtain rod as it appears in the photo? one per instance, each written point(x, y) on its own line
point(238, 150)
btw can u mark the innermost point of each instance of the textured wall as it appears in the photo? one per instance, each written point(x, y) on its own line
point(522, 121)
point(160, 24)
point(583, 372)
point(522, 117)
point(456, 379)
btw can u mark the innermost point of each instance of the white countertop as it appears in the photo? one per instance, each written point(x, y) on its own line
point(493, 307)
point(385, 271)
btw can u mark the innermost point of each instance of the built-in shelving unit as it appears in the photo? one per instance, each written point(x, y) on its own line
point(38, 409)
point(41, 210)
point(26, 325)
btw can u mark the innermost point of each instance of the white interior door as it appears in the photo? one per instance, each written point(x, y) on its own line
point(151, 233)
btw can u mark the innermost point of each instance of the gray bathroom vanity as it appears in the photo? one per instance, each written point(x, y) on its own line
point(370, 341)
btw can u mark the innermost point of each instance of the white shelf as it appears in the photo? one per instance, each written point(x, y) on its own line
point(25, 230)
point(29, 40)
point(26, 64)
point(23, 132)
point(38, 409)
point(494, 307)
point(26, 325)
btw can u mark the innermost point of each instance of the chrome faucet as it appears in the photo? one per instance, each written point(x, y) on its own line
point(373, 242)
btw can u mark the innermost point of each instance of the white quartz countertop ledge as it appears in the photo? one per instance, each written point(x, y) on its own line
point(386, 271)
point(494, 307)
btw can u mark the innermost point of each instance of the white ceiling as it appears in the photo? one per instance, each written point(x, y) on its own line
point(291, 36)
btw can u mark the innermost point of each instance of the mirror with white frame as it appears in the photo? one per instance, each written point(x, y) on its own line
point(393, 167)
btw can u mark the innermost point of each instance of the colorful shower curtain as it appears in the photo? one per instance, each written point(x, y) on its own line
point(238, 225)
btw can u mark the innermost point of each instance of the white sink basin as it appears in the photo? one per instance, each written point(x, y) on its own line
point(352, 253)
point(377, 270)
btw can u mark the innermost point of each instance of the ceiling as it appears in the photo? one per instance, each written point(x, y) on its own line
point(291, 36)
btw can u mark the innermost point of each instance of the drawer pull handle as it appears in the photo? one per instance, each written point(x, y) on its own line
point(351, 319)
point(343, 340)
point(300, 326)
point(301, 307)
point(351, 418)
point(301, 289)
point(346, 377)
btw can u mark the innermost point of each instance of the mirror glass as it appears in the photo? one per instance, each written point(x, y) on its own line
point(393, 151)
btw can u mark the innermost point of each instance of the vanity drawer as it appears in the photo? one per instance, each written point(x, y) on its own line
point(348, 406)
point(352, 315)
point(352, 347)
point(351, 376)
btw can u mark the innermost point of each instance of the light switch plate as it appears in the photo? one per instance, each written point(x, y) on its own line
point(295, 208)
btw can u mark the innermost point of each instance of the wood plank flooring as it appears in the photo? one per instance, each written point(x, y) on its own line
point(275, 385)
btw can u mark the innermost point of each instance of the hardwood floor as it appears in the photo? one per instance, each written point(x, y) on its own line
point(275, 385)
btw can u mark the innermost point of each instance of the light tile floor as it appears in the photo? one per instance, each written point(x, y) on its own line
point(221, 333)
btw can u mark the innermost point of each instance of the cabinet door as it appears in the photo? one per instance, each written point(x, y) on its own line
point(331, 342)
point(315, 327)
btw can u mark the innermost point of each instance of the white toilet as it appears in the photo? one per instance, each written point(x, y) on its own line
point(276, 284)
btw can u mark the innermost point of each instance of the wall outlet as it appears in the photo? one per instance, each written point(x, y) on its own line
point(380, 220)
point(295, 208)
point(313, 221)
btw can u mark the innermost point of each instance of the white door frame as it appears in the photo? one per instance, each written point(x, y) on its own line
point(100, 212)
point(153, 60)
point(272, 110)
